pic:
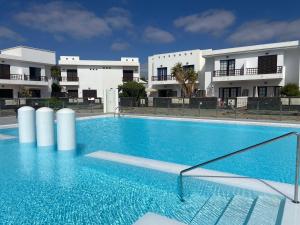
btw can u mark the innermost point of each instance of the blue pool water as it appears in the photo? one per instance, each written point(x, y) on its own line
point(194, 142)
point(43, 186)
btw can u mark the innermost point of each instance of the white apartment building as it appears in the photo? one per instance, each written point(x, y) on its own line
point(159, 72)
point(25, 67)
point(253, 71)
point(89, 78)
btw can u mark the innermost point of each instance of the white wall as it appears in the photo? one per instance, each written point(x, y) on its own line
point(32, 54)
point(189, 57)
point(98, 78)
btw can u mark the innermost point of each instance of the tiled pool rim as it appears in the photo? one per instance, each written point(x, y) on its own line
point(291, 213)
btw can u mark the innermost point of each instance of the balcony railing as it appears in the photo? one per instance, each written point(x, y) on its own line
point(69, 79)
point(162, 78)
point(24, 77)
point(240, 72)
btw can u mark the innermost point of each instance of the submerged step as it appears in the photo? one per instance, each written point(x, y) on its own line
point(265, 211)
point(211, 211)
point(237, 211)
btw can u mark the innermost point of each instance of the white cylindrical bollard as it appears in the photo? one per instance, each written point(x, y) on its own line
point(66, 133)
point(44, 127)
point(26, 123)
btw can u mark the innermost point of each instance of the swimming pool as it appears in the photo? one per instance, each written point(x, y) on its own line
point(190, 142)
point(43, 186)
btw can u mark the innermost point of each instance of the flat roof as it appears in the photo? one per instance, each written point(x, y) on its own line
point(98, 63)
point(251, 48)
point(23, 46)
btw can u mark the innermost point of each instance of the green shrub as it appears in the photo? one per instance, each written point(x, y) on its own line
point(290, 90)
point(132, 89)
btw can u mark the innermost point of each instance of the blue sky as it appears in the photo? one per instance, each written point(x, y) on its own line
point(114, 28)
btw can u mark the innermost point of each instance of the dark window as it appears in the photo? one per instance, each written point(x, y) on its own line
point(267, 64)
point(188, 67)
point(89, 93)
point(229, 92)
point(276, 91)
point(72, 75)
point(167, 93)
point(262, 91)
point(73, 93)
point(6, 93)
point(245, 92)
point(162, 73)
point(127, 75)
point(35, 73)
point(4, 71)
point(35, 93)
point(227, 67)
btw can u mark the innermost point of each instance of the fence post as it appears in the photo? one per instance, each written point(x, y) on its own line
point(199, 108)
point(280, 116)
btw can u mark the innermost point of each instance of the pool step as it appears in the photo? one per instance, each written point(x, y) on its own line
point(211, 211)
point(239, 210)
point(265, 211)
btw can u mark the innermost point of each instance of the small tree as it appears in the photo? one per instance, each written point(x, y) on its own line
point(55, 73)
point(186, 78)
point(290, 90)
point(132, 89)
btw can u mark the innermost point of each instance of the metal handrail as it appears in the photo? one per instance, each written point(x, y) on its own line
point(295, 200)
point(119, 111)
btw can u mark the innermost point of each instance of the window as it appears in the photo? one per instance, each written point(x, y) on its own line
point(127, 75)
point(89, 93)
point(162, 73)
point(262, 91)
point(267, 64)
point(188, 67)
point(231, 92)
point(227, 67)
point(245, 92)
point(276, 91)
point(4, 71)
point(72, 75)
point(35, 73)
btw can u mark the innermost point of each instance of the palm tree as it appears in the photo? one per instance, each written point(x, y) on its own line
point(187, 78)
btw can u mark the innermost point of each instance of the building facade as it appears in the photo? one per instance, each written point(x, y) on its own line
point(159, 72)
point(89, 78)
point(253, 71)
point(25, 68)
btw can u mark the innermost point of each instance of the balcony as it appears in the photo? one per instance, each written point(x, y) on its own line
point(163, 79)
point(73, 81)
point(23, 79)
point(246, 74)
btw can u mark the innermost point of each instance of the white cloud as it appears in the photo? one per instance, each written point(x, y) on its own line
point(212, 21)
point(118, 18)
point(64, 19)
point(157, 35)
point(7, 33)
point(119, 46)
point(262, 30)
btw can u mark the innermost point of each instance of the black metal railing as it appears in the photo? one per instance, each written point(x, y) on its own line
point(162, 77)
point(234, 72)
point(68, 79)
point(240, 72)
point(24, 77)
point(255, 71)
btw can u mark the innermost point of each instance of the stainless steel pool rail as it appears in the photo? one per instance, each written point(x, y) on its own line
point(295, 199)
